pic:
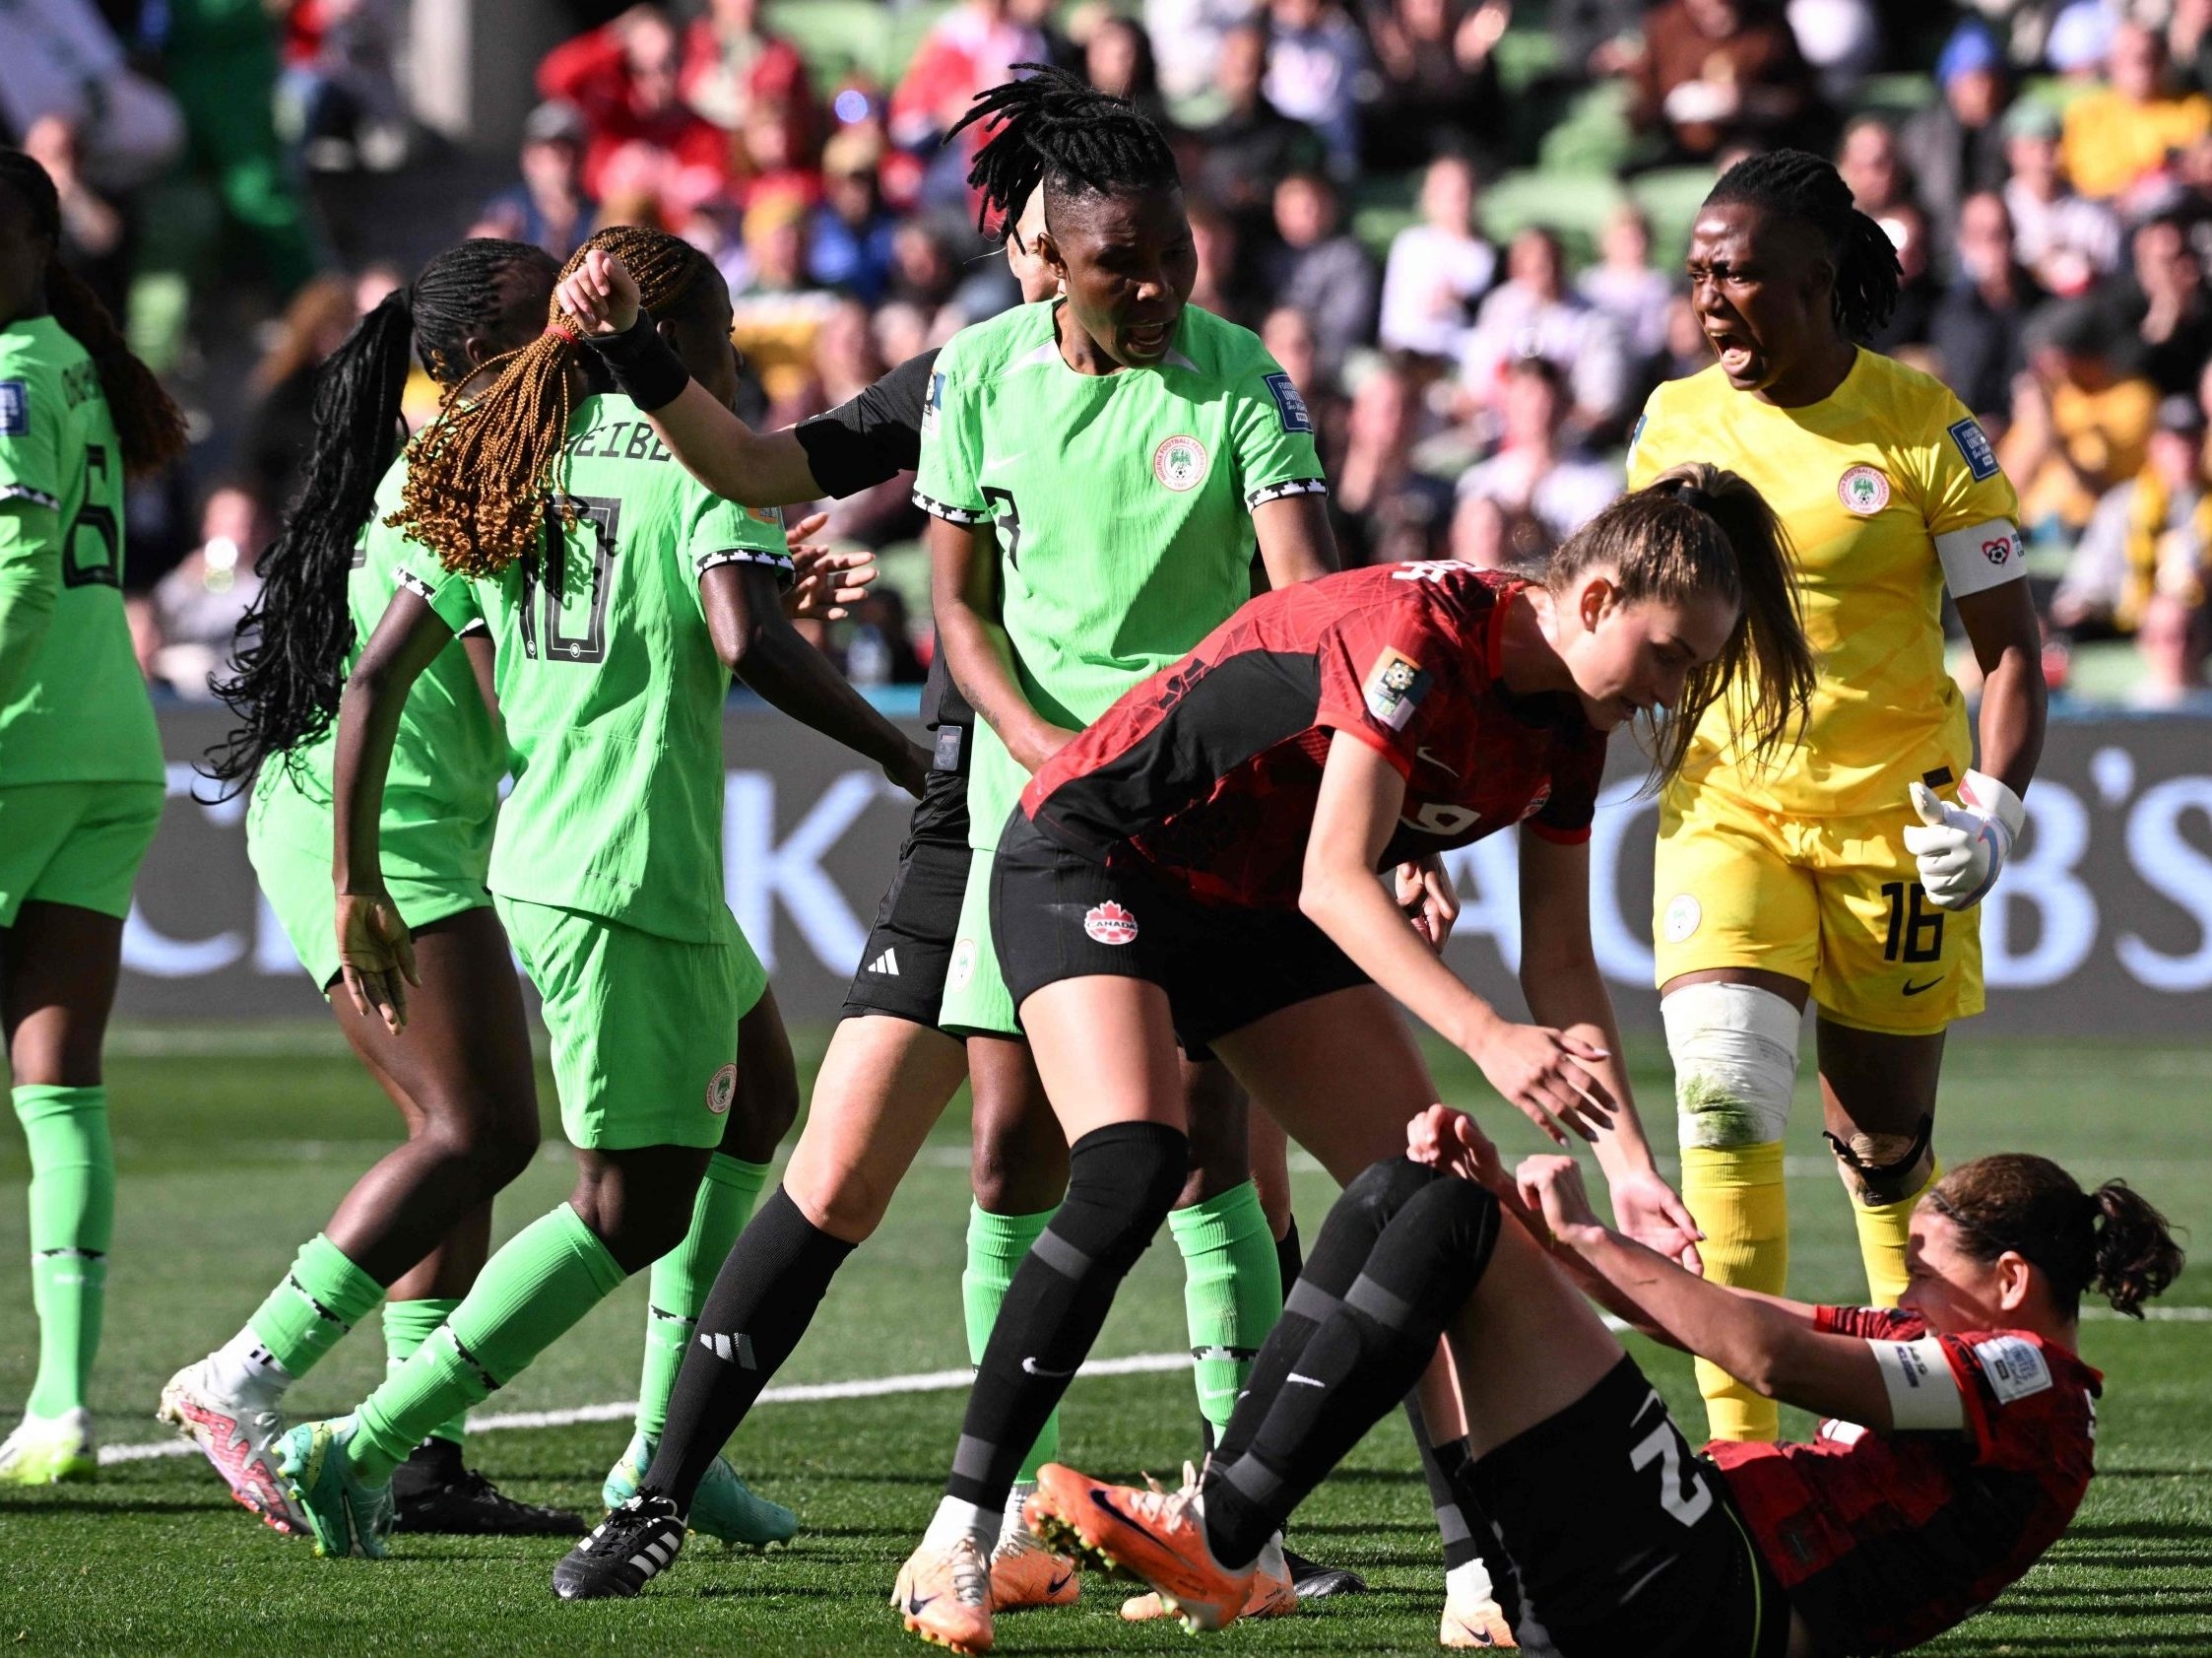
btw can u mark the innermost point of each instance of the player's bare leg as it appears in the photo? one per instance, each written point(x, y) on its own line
point(1878, 1096)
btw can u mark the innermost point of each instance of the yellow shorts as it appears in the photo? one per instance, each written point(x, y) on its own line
point(1834, 901)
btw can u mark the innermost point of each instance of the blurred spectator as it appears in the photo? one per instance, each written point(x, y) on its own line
point(1978, 328)
point(2117, 134)
point(1252, 146)
point(1955, 147)
point(1220, 286)
point(2080, 40)
point(1197, 30)
point(549, 207)
point(1626, 287)
point(932, 271)
point(60, 60)
point(777, 311)
point(1439, 82)
point(1537, 470)
point(850, 242)
point(1118, 58)
point(1533, 314)
point(341, 83)
point(1320, 269)
point(2188, 44)
point(1315, 58)
point(2143, 563)
point(274, 448)
point(2158, 312)
point(1918, 290)
point(2066, 240)
point(1383, 510)
point(876, 643)
point(974, 45)
point(1688, 350)
point(1868, 158)
point(847, 361)
point(2078, 425)
point(196, 608)
point(1439, 268)
point(1841, 40)
point(736, 73)
point(1716, 72)
point(647, 150)
point(94, 229)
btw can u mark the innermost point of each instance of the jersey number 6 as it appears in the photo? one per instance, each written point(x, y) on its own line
point(92, 519)
point(600, 517)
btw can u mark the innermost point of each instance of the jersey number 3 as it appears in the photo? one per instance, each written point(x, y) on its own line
point(600, 517)
point(95, 522)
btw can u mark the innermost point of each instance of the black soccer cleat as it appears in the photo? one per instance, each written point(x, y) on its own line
point(1310, 1580)
point(433, 1491)
point(632, 1546)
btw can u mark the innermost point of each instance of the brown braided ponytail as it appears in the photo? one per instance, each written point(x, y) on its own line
point(149, 423)
point(479, 480)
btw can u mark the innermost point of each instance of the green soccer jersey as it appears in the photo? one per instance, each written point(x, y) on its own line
point(442, 794)
point(609, 685)
point(79, 714)
point(1123, 503)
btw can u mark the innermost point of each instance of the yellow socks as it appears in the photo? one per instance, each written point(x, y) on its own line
point(1737, 1198)
point(1884, 1229)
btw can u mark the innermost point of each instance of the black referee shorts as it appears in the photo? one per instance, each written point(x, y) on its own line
point(1620, 1539)
point(1057, 915)
point(902, 968)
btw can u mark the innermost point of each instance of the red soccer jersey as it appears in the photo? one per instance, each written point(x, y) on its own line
point(1884, 1540)
point(1209, 772)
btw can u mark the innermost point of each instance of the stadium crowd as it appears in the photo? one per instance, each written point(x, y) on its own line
point(1457, 226)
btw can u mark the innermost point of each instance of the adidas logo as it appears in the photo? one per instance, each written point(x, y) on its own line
point(731, 1349)
point(886, 963)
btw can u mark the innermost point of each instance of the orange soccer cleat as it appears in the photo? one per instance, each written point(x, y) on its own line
point(1156, 1535)
point(1470, 1622)
point(943, 1595)
point(1025, 1573)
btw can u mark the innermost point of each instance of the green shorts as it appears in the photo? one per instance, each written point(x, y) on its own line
point(644, 1028)
point(75, 843)
point(296, 879)
point(976, 1003)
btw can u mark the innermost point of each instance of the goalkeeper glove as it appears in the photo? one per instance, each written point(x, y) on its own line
point(1961, 849)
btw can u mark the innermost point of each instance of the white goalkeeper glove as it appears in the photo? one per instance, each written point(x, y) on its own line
point(1961, 849)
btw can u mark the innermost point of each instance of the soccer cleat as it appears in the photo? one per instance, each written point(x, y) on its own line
point(945, 1596)
point(724, 1507)
point(1317, 1582)
point(348, 1517)
point(1470, 1622)
point(47, 1450)
point(630, 1548)
point(433, 1492)
point(1274, 1592)
point(1025, 1573)
point(1157, 1535)
point(237, 1432)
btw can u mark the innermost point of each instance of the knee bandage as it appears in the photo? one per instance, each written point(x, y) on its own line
point(1736, 1063)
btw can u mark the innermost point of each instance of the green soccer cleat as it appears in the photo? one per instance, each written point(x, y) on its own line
point(350, 1517)
point(724, 1507)
point(47, 1450)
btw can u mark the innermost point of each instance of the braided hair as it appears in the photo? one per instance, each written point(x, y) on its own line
point(150, 426)
point(1058, 130)
point(478, 481)
point(290, 664)
point(1797, 184)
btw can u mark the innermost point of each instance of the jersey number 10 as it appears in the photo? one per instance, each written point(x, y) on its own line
point(600, 517)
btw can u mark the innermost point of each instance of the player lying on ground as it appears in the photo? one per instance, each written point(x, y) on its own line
point(1957, 1439)
point(615, 635)
point(1201, 866)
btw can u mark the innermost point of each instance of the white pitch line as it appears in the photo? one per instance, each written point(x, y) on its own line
point(922, 1382)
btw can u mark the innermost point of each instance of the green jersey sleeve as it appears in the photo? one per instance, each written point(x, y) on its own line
point(1273, 435)
point(32, 433)
point(721, 532)
point(947, 484)
point(418, 569)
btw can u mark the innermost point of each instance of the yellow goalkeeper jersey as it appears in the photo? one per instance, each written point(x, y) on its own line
point(1889, 492)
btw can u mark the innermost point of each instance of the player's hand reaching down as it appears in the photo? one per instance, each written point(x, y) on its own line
point(376, 957)
point(1543, 1074)
point(1430, 898)
point(1647, 1209)
point(827, 579)
point(599, 294)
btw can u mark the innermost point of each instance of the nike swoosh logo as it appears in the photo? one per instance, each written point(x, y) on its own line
point(1911, 989)
point(1304, 1381)
point(915, 1602)
point(1059, 1583)
point(1435, 759)
point(1029, 1366)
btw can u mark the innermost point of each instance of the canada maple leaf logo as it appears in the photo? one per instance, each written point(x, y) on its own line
point(1110, 923)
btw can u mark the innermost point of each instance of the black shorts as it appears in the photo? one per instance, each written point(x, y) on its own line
point(1620, 1539)
point(1055, 915)
point(901, 969)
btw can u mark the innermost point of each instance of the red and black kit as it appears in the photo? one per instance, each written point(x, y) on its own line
point(1167, 841)
point(1883, 1541)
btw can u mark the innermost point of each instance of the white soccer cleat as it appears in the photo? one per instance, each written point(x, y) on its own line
point(237, 1432)
point(47, 1450)
point(1470, 1623)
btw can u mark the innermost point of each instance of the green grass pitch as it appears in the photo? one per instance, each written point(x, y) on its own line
point(234, 1143)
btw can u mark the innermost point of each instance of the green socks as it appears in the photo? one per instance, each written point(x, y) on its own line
point(995, 1245)
point(1232, 1292)
point(323, 1297)
point(406, 1326)
point(72, 1224)
point(529, 1294)
point(681, 1278)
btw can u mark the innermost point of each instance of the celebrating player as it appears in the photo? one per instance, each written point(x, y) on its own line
point(1960, 1433)
point(1198, 866)
point(1845, 873)
point(80, 775)
point(613, 649)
